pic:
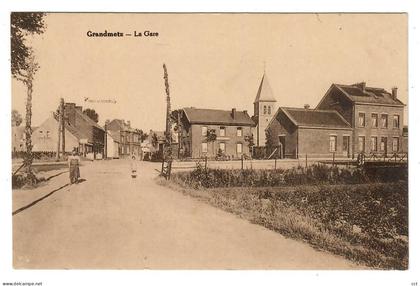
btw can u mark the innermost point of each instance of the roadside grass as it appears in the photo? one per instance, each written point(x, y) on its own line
point(364, 222)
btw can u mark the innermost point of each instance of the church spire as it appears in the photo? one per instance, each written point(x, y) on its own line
point(264, 93)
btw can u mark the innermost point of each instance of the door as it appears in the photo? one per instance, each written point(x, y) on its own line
point(346, 146)
point(282, 146)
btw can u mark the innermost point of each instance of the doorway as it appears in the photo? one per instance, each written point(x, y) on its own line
point(282, 146)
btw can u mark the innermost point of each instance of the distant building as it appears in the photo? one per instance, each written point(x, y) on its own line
point(125, 139)
point(81, 133)
point(18, 138)
point(350, 119)
point(232, 128)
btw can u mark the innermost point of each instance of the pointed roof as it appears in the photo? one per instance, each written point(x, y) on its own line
point(265, 93)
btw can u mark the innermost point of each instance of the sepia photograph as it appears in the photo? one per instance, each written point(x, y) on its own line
point(209, 141)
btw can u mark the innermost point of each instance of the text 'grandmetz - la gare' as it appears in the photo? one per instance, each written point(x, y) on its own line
point(120, 34)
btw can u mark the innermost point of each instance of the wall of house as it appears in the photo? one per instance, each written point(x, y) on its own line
point(315, 143)
point(18, 138)
point(45, 137)
point(283, 126)
point(230, 139)
point(335, 100)
point(368, 131)
point(112, 147)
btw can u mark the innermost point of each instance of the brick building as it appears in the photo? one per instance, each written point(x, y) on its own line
point(123, 140)
point(375, 115)
point(232, 131)
point(349, 119)
point(297, 132)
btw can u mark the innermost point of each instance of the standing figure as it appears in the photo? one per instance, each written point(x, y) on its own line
point(133, 166)
point(74, 162)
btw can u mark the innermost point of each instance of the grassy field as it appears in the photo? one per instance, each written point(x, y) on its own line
point(365, 222)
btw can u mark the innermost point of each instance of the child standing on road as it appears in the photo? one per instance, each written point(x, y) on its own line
point(133, 166)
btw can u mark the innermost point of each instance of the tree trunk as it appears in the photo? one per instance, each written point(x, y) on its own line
point(28, 158)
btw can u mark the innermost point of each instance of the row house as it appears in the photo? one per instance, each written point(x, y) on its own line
point(81, 133)
point(122, 139)
point(231, 131)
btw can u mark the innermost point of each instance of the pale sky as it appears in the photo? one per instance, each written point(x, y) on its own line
point(213, 61)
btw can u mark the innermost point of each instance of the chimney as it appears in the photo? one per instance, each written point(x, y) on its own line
point(306, 106)
point(233, 113)
point(361, 85)
point(70, 113)
point(394, 93)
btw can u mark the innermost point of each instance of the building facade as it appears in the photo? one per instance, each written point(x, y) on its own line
point(211, 133)
point(349, 120)
point(81, 133)
point(125, 139)
point(301, 132)
point(375, 115)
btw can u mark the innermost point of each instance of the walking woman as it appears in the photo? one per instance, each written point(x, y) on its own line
point(74, 162)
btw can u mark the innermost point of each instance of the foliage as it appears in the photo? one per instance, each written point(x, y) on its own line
point(23, 24)
point(250, 140)
point(23, 68)
point(91, 113)
point(367, 223)
point(16, 118)
point(268, 141)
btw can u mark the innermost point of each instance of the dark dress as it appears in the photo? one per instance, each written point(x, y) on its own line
point(74, 170)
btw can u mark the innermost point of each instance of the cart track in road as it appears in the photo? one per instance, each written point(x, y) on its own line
point(112, 221)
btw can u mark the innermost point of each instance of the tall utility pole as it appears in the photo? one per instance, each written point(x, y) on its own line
point(60, 125)
point(168, 113)
point(63, 130)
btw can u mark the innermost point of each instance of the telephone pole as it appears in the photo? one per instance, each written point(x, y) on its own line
point(63, 129)
point(168, 136)
point(60, 126)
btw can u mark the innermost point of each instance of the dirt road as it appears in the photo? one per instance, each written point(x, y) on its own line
point(115, 222)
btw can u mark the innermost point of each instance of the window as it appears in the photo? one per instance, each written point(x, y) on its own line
point(204, 147)
point(265, 109)
point(222, 131)
point(48, 134)
point(361, 143)
point(269, 109)
point(222, 146)
point(239, 132)
point(333, 143)
point(41, 134)
point(239, 148)
point(396, 121)
point(374, 120)
point(395, 144)
point(346, 143)
point(204, 130)
point(362, 119)
point(384, 120)
point(383, 144)
point(374, 144)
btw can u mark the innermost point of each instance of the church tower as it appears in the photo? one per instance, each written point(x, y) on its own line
point(264, 109)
